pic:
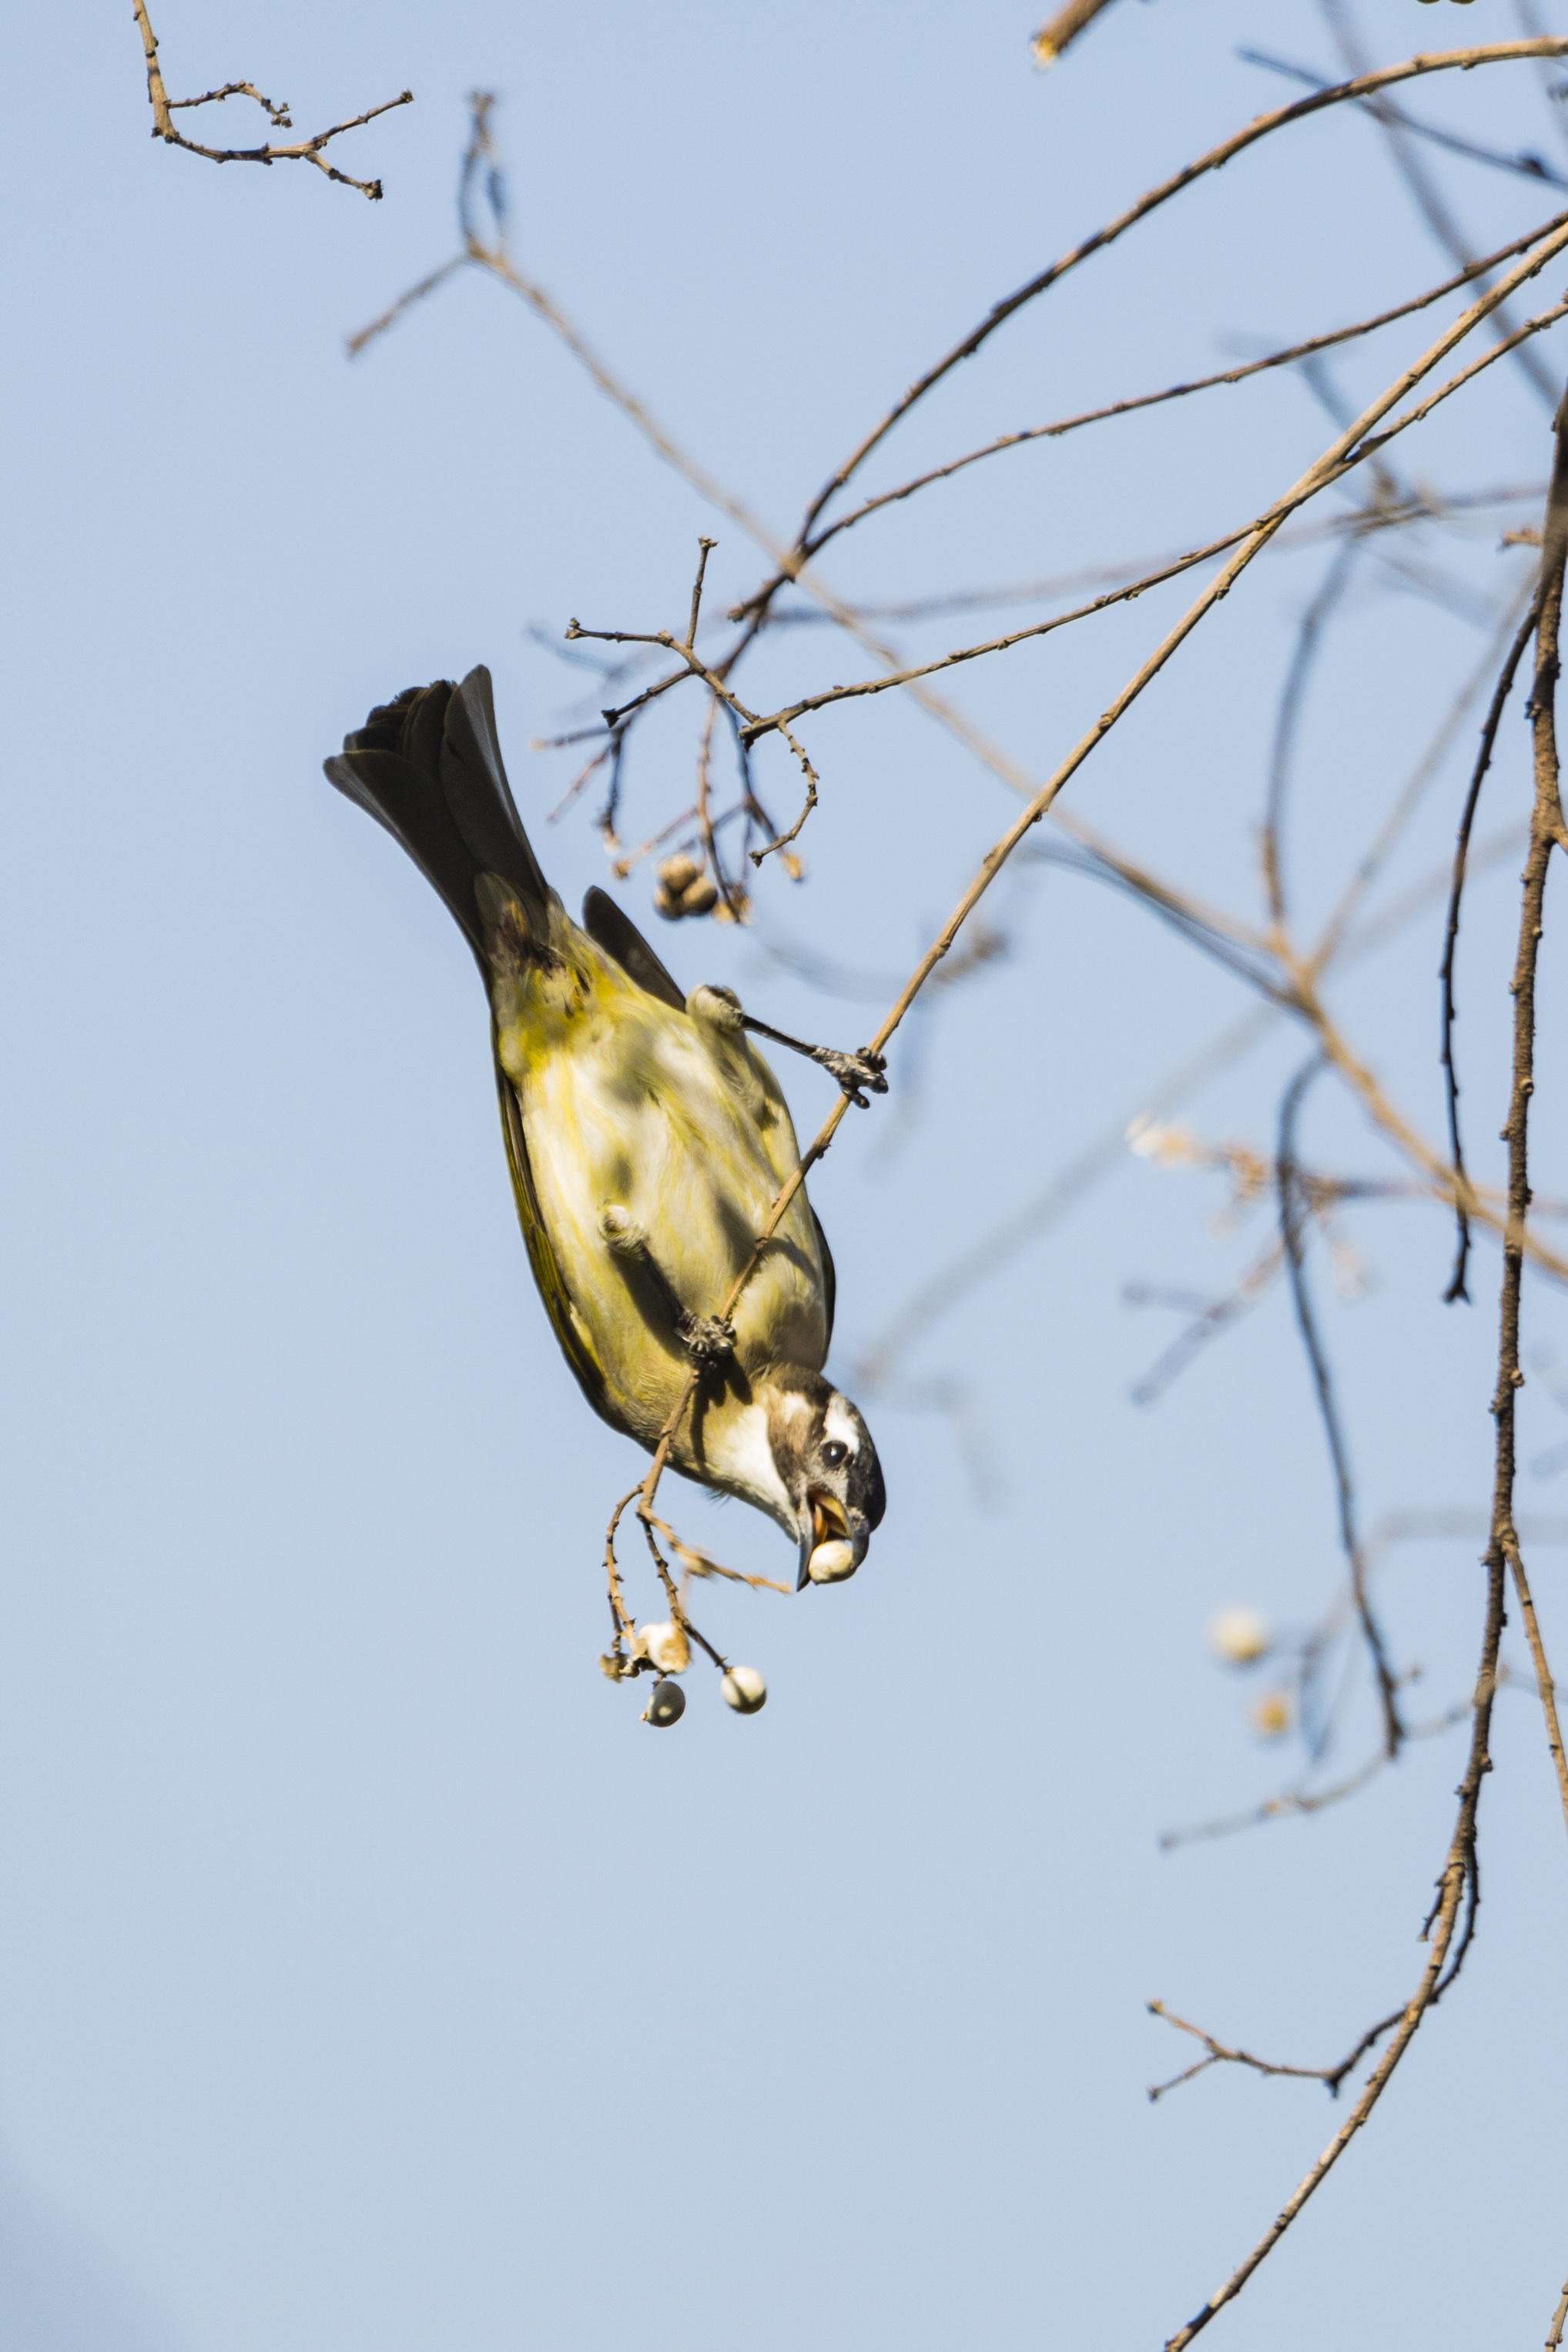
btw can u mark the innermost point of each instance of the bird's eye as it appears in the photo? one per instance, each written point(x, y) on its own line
point(833, 1453)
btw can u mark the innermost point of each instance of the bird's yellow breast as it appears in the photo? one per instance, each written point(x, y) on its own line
point(630, 1106)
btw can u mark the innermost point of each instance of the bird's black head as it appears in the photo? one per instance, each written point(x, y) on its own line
point(824, 1454)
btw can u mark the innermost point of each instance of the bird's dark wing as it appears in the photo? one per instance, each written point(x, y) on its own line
point(829, 1274)
point(619, 937)
point(541, 1257)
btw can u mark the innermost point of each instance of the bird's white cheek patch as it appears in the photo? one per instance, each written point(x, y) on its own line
point(746, 1455)
point(839, 1426)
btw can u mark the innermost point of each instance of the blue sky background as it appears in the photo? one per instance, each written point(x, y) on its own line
point(369, 1976)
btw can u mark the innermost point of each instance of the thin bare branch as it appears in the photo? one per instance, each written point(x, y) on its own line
point(1289, 1802)
point(1291, 1212)
point(1428, 197)
point(1325, 469)
point(355, 344)
point(1064, 424)
point(1331, 2077)
point(1559, 2319)
point(1356, 448)
point(1545, 833)
point(1308, 638)
point(1213, 1318)
point(1527, 166)
point(1058, 31)
point(1459, 1871)
point(1448, 60)
point(1457, 1289)
point(306, 151)
point(1458, 1877)
point(1415, 785)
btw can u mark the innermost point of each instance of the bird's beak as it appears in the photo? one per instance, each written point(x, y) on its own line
point(825, 1521)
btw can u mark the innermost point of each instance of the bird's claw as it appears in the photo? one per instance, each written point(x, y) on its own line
point(707, 1338)
point(854, 1071)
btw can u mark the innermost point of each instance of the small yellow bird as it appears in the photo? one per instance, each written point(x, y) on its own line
point(647, 1140)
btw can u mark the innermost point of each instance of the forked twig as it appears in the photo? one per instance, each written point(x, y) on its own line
point(1221, 2053)
point(1361, 86)
point(306, 151)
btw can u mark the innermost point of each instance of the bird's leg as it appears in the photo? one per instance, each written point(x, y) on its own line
point(707, 1340)
point(852, 1071)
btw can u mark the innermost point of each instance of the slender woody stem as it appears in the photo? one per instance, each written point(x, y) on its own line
point(1460, 1869)
point(1462, 1203)
point(1546, 830)
point(1326, 469)
point(1291, 1215)
point(1496, 53)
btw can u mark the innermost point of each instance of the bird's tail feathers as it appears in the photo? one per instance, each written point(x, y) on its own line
point(428, 768)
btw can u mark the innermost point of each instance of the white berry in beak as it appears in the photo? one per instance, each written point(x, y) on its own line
point(667, 1706)
point(830, 1563)
point(744, 1690)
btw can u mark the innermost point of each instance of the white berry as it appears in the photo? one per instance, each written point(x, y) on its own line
point(667, 1706)
point(745, 1690)
point(1240, 1636)
point(666, 1645)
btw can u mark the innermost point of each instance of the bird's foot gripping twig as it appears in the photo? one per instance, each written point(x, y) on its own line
point(707, 1340)
point(853, 1071)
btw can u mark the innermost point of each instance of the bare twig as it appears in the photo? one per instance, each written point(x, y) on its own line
point(1458, 1877)
point(1211, 1318)
point(1422, 506)
point(1528, 166)
point(1334, 583)
point(1296, 352)
point(1354, 447)
point(1291, 1221)
point(1423, 187)
point(1055, 34)
point(1325, 469)
point(1498, 53)
point(1014, 1233)
point(1459, 1871)
point(1410, 792)
point(1558, 2318)
point(1546, 833)
point(356, 343)
point(307, 151)
point(1457, 1289)
point(1331, 2077)
point(1289, 1802)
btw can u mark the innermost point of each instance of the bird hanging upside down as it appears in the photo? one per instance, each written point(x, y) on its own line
point(647, 1140)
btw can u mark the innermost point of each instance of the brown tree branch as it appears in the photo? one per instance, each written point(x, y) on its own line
point(1064, 424)
point(307, 151)
point(1457, 1289)
point(1221, 2053)
point(1545, 835)
point(1459, 1871)
point(1354, 448)
point(1325, 469)
point(1291, 1211)
point(1499, 53)
point(1401, 136)
point(1058, 31)
point(1458, 1876)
